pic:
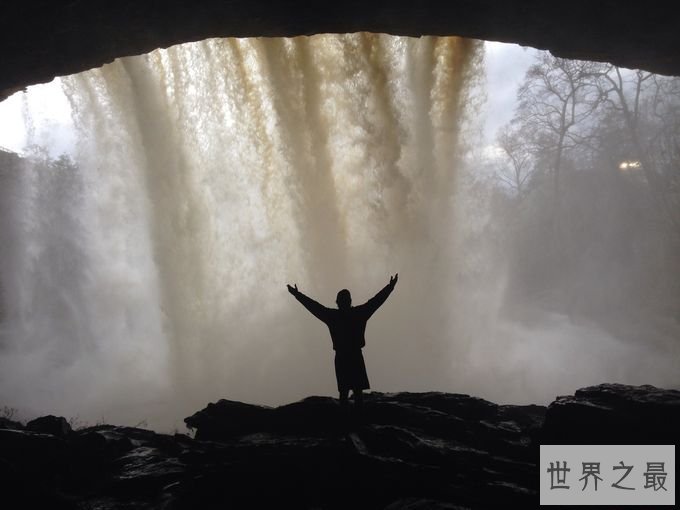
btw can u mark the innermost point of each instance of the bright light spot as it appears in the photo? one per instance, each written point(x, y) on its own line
point(629, 165)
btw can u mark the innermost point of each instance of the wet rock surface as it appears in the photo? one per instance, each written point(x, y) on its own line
point(401, 451)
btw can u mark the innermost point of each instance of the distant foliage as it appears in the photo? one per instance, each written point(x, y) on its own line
point(586, 199)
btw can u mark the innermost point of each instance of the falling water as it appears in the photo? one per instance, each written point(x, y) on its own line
point(149, 277)
point(208, 176)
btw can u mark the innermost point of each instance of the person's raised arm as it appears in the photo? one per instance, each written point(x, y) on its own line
point(316, 309)
point(376, 301)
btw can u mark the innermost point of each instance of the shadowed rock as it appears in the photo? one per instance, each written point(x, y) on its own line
point(614, 414)
point(53, 425)
point(404, 451)
point(40, 40)
point(227, 418)
point(6, 423)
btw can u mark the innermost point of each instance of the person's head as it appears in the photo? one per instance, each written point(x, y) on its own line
point(344, 299)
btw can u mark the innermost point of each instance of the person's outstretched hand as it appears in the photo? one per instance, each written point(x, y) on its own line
point(293, 290)
point(393, 280)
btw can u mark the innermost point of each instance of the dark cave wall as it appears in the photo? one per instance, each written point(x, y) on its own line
point(41, 39)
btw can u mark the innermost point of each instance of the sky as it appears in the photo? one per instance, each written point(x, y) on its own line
point(505, 65)
point(52, 127)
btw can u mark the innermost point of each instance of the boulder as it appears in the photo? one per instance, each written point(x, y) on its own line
point(614, 414)
point(227, 418)
point(53, 425)
point(6, 423)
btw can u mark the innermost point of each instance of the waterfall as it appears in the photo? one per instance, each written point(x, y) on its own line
point(148, 276)
point(144, 274)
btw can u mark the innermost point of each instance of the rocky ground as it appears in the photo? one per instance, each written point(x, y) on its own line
point(403, 451)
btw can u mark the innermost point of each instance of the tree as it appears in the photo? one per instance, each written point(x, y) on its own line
point(587, 145)
point(518, 166)
point(648, 107)
point(556, 98)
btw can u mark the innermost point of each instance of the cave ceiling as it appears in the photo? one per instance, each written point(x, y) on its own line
point(41, 39)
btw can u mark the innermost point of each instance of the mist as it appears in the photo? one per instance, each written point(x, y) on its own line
point(145, 274)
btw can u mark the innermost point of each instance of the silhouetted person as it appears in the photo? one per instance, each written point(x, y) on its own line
point(347, 325)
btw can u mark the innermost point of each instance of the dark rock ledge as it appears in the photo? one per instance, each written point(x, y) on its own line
point(404, 451)
point(41, 39)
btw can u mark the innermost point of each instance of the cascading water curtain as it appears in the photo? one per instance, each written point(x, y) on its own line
point(149, 277)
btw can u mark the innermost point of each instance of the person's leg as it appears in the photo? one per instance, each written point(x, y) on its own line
point(340, 376)
point(358, 396)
